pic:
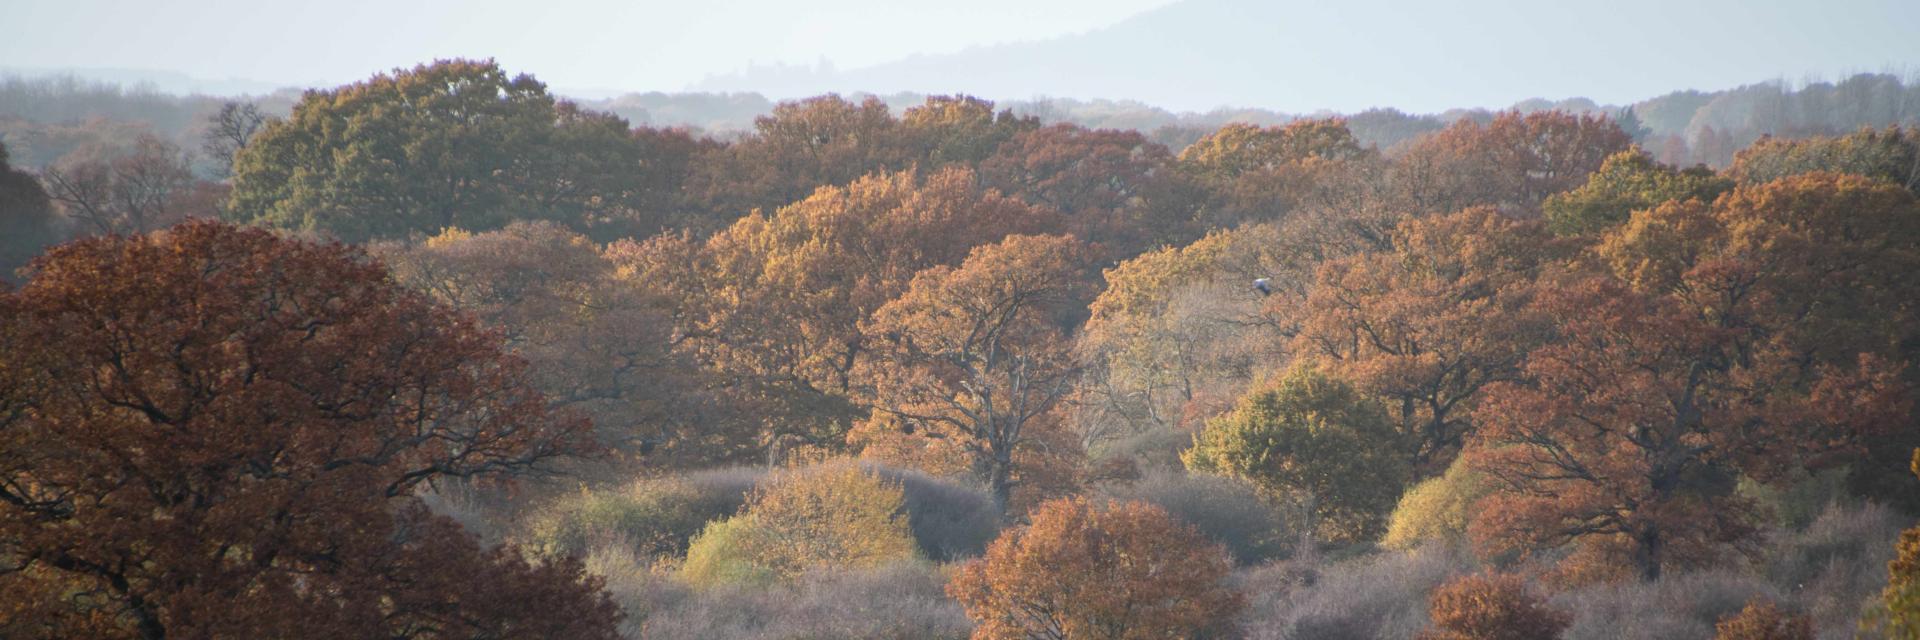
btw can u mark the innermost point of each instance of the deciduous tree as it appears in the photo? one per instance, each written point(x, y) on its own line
point(979, 356)
point(1629, 181)
point(135, 190)
point(211, 431)
point(1428, 325)
point(1314, 439)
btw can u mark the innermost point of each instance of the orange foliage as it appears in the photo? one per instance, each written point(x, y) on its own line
point(1080, 570)
point(1763, 620)
point(1492, 607)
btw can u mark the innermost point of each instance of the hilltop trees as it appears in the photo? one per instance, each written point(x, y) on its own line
point(1629, 181)
point(1514, 162)
point(212, 431)
point(456, 143)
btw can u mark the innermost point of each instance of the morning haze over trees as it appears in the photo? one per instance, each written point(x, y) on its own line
point(441, 353)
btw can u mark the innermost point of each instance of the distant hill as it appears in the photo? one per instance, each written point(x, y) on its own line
point(1305, 56)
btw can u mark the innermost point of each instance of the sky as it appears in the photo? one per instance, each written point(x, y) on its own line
point(633, 45)
point(1293, 55)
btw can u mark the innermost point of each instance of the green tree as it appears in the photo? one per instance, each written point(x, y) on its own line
point(27, 220)
point(1629, 181)
point(1313, 438)
point(456, 143)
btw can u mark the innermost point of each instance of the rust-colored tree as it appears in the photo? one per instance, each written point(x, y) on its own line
point(1106, 572)
point(214, 432)
point(1630, 430)
point(1492, 607)
point(775, 302)
point(594, 342)
point(977, 357)
point(1514, 162)
point(1428, 325)
point(1116, 188)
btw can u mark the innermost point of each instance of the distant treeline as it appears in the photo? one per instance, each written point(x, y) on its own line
point(44, 118)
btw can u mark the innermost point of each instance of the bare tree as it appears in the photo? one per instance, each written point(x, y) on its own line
point(135, 191)
point(228, 131)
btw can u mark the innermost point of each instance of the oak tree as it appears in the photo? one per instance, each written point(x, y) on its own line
point(212, 431)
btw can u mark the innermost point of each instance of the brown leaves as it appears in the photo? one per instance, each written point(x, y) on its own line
point(214, 424)
point(980, 352)
point(1492, 607)
point(1080, 570)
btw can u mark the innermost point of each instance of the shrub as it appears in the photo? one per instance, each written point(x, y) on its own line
point(1379, 596)
point(1680, 605)
point(1227, 510)
point(658, 517)
point(1082, 570)
point(1899, 612)
point(1491, 607)
point(830, 515)
point(1437, 509)
point(895, 601)
point(950, 520)
point(1762, 620)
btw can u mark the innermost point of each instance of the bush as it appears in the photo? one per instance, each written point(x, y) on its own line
point(1491, 607)
point(1085, 570)
point(1796, 501)
point(1227, 510)
point(1681, 605)
point(950, 520)
point(657, 517)
point(827, 516)
point(1437, 509)
point(1762, 620)
point(895, 601)
point(1380, 596)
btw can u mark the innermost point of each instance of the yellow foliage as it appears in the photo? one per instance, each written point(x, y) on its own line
point(834, 515)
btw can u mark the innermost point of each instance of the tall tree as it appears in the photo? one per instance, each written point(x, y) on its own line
point(1116, 189)
point(594, 342)
point(211, 431)
point(775, 301)
point(978, 355)
point(1428, 325)
point(1513, 162)
point(229, 130)
point(1628, 435)
point(136, 190)
point(456, 143)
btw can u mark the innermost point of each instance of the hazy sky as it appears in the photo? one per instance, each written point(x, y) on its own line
point(1297, 55)
point(587, 44)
